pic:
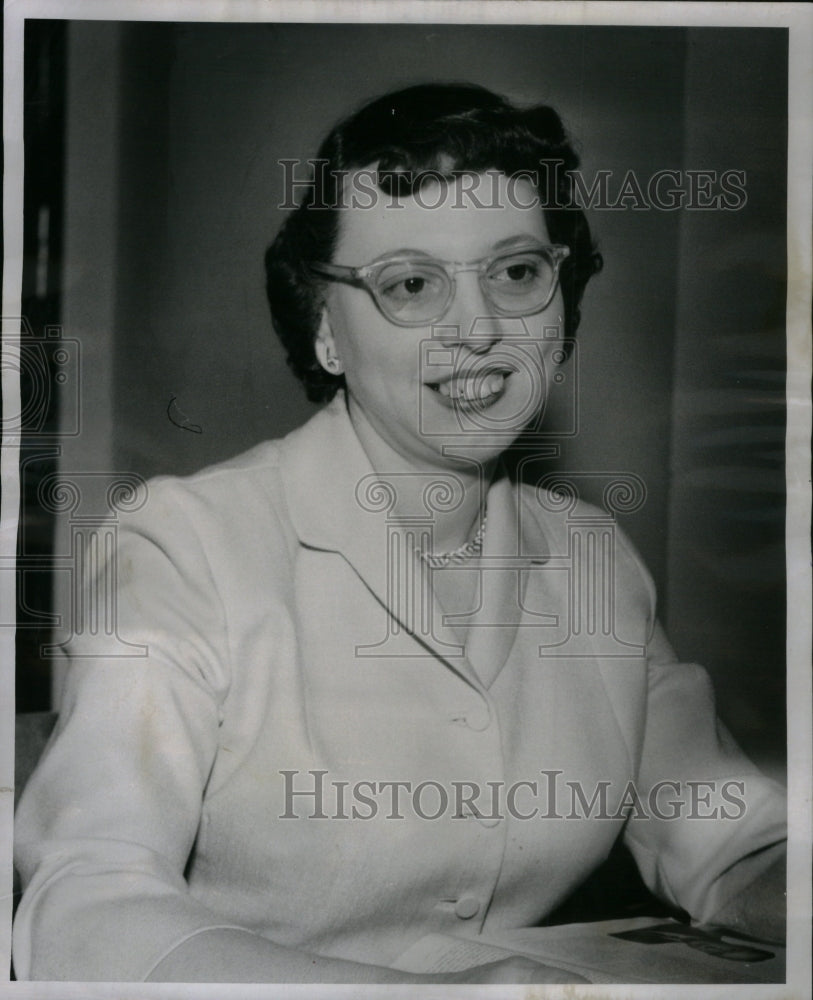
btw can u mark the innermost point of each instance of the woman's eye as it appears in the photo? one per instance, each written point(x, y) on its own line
point(518, 271)
point(414, 286)
point(409, 287)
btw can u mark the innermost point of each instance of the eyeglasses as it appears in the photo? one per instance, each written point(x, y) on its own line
point(414, 290)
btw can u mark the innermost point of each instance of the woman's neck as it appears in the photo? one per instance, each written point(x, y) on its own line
point(456, 515)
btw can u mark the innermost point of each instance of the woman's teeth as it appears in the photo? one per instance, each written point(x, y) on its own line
point(472, 388)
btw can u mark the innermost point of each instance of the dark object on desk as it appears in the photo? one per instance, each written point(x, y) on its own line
point(711, 940)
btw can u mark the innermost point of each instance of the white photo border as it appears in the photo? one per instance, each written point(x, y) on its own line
point(798, 18)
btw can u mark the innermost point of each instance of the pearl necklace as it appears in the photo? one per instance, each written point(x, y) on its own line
point(468, 550)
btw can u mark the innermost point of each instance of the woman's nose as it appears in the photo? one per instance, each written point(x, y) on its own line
point(471, 319)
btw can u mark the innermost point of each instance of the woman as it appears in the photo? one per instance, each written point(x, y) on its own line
point(360, 654)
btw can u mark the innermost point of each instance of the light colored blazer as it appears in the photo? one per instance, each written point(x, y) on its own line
point(291, 648)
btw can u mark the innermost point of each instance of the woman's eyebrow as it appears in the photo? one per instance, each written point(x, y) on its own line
point(510, 241)
point(522, 239)
point(405, 252)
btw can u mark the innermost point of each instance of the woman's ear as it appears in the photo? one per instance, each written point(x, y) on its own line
point(325, 347)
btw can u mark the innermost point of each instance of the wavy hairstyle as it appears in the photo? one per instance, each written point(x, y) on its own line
point(422, 131)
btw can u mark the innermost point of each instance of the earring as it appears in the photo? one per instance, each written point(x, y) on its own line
point(333, 364)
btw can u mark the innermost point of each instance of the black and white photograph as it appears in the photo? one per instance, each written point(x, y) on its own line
point(405, 563)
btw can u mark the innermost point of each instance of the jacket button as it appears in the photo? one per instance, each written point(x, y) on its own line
point(478, 721)
point(467, 907)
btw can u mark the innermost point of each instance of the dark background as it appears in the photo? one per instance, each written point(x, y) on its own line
point(155, 148)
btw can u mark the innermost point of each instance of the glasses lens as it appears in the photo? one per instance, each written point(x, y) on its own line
point(412, 291)
point(521, 282)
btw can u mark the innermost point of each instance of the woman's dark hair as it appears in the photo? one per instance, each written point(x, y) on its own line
point(407, 136)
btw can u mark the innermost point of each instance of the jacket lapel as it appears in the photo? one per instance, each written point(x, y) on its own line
point(337, 503)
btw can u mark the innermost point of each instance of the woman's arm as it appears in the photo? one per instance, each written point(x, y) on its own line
point(107, 822)
point(715, 848)
point(233, 956)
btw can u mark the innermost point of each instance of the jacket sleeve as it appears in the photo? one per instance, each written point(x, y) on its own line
point(108, 820)
point(706, 822)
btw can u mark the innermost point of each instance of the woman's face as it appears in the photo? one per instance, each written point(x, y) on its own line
point(471, 380)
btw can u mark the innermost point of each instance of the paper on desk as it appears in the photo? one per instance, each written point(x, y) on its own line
point(649, 951)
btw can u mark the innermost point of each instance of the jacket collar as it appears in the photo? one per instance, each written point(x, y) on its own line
point(322, 463)
point(334, 505)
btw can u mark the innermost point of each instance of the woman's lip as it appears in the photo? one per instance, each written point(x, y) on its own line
point(471, 393)
point(475, 375)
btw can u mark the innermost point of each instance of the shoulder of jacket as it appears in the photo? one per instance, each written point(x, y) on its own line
point(233, 480)
point(238, 501)
point(554, 509)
